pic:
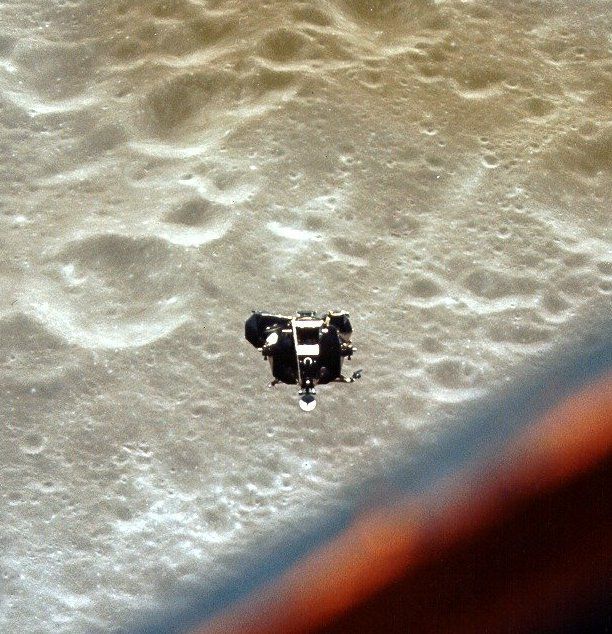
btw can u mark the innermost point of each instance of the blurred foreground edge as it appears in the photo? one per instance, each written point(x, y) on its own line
point(518, 542)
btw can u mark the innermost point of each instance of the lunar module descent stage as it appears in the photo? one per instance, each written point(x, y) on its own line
point(305, 349)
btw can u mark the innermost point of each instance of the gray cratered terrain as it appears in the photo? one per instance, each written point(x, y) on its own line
point(440, 169)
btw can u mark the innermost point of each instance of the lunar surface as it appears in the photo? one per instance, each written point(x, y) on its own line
point(439, 168)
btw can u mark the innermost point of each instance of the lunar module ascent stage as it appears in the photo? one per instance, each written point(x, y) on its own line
point(305, 349)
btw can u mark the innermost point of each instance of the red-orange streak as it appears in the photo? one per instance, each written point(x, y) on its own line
point(385, 543)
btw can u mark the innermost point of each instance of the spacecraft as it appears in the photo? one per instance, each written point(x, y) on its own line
point(306, 349)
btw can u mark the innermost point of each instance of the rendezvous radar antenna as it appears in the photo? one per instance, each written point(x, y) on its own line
point(306, 349)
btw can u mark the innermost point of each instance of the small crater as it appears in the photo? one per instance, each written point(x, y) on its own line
point(428, 129)
point(578, 284)
point(15, 498)
point(47, 487)
point(104, 137)
point(490, 161)
point(350, 247)
point(605, 286)
point(588, 156)
point(201, 409)
point(174, 101)
point(537, 107)
point(487, 283)
point(554, 303)
point(6, 45)
point(401, 223)
point(123, 512)
point(576, 260)
point(605, 267)
point(198, 220)
point(432, 345)
point(283, 45)
point(70, 65)
point(477, 78)
point(267, 80)
point(370, 78)
point(33, 444)
point(193, 213)
point(435, 162)
point(424, 288)
point(454, 373)
point(430, 70)
point(312, 15)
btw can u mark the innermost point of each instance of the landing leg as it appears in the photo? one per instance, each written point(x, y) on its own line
point(307, 399)
point(356, 375)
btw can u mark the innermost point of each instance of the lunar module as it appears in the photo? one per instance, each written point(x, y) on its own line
point(305, 349)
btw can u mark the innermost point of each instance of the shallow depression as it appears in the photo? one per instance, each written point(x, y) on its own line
point(113, 291)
